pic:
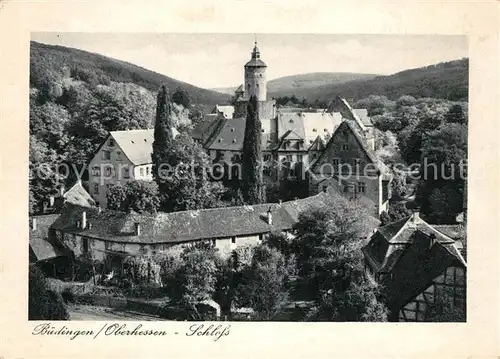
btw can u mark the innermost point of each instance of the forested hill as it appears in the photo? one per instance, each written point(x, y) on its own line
point(447, 80)
point(48, 61)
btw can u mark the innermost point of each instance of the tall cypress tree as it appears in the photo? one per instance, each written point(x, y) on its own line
point(251, 158)
point(163, 135)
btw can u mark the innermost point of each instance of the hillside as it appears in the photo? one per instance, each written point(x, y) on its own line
point(288, 85)
point(448, 80)
point(47, 61)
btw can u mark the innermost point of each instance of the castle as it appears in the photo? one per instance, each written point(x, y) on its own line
point(305, 143)
point(297, 144)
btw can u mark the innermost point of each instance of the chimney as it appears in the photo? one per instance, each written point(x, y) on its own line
point(414, 218)
point(432, 240)
point(137, 229)
point(84, 220)
point(269, 216)
point(51, 201)
point(33, 224)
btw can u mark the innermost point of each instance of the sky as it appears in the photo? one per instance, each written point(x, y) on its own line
point(217, 60)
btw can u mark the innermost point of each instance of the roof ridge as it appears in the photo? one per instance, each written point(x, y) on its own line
point(398, 233)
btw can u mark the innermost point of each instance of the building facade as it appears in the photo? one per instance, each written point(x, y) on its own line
point(112, 236)
point(421, 268)
point(349, 165)
point(124, 156)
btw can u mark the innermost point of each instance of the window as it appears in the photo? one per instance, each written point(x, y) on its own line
point(141, 171)
point(96, 171)
point(289, 158)
point(356, 162)
point(106, 155)
point(108, 171)
point(291, 172)
point(325, 188)
point(126, 173)
point(233, 240)
point(118, 155)
point(345, 147)
point(315, 155)
point(299, 158)
point(96, 189)
point(361, 187)
point(147, 171)
point(336, 162)
point(267, 158)
point(111, 142)
point(85, 244)
point(213, 242)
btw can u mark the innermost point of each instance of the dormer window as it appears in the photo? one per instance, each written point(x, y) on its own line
point(314, 130)
point(291, 121)
point(325, 130)
point(232, 130)
point(111, 142)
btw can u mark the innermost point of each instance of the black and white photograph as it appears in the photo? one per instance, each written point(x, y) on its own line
point(248, 177)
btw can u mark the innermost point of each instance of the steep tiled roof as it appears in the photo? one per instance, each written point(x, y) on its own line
point(362, 114)
point(414, 253)
point(347, 124)
point(137, 145)
point(255, 63)
point(78, 195)
point(227, 111)
point(308, 125)
point(401, 234)
point(230, 135)
point(317, 145)
point(184, 226)
point(40, 247)
point(204, 129)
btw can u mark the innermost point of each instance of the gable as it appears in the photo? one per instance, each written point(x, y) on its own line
point(347, 147)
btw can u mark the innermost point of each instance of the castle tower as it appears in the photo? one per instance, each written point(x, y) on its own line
point(255, 77)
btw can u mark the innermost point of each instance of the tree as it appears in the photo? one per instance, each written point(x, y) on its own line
point(44, 177)
point(142, 271)
point(197, 275)
point(263, 284)
point(397, 211)
point(163, 136)
point(251, 157)
point(43, 304)
point(456, 114)
point(116, 197)
point(441, 189)
point(181, 97)
point(328, 247)
point(187, 184)
point(139, 196)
